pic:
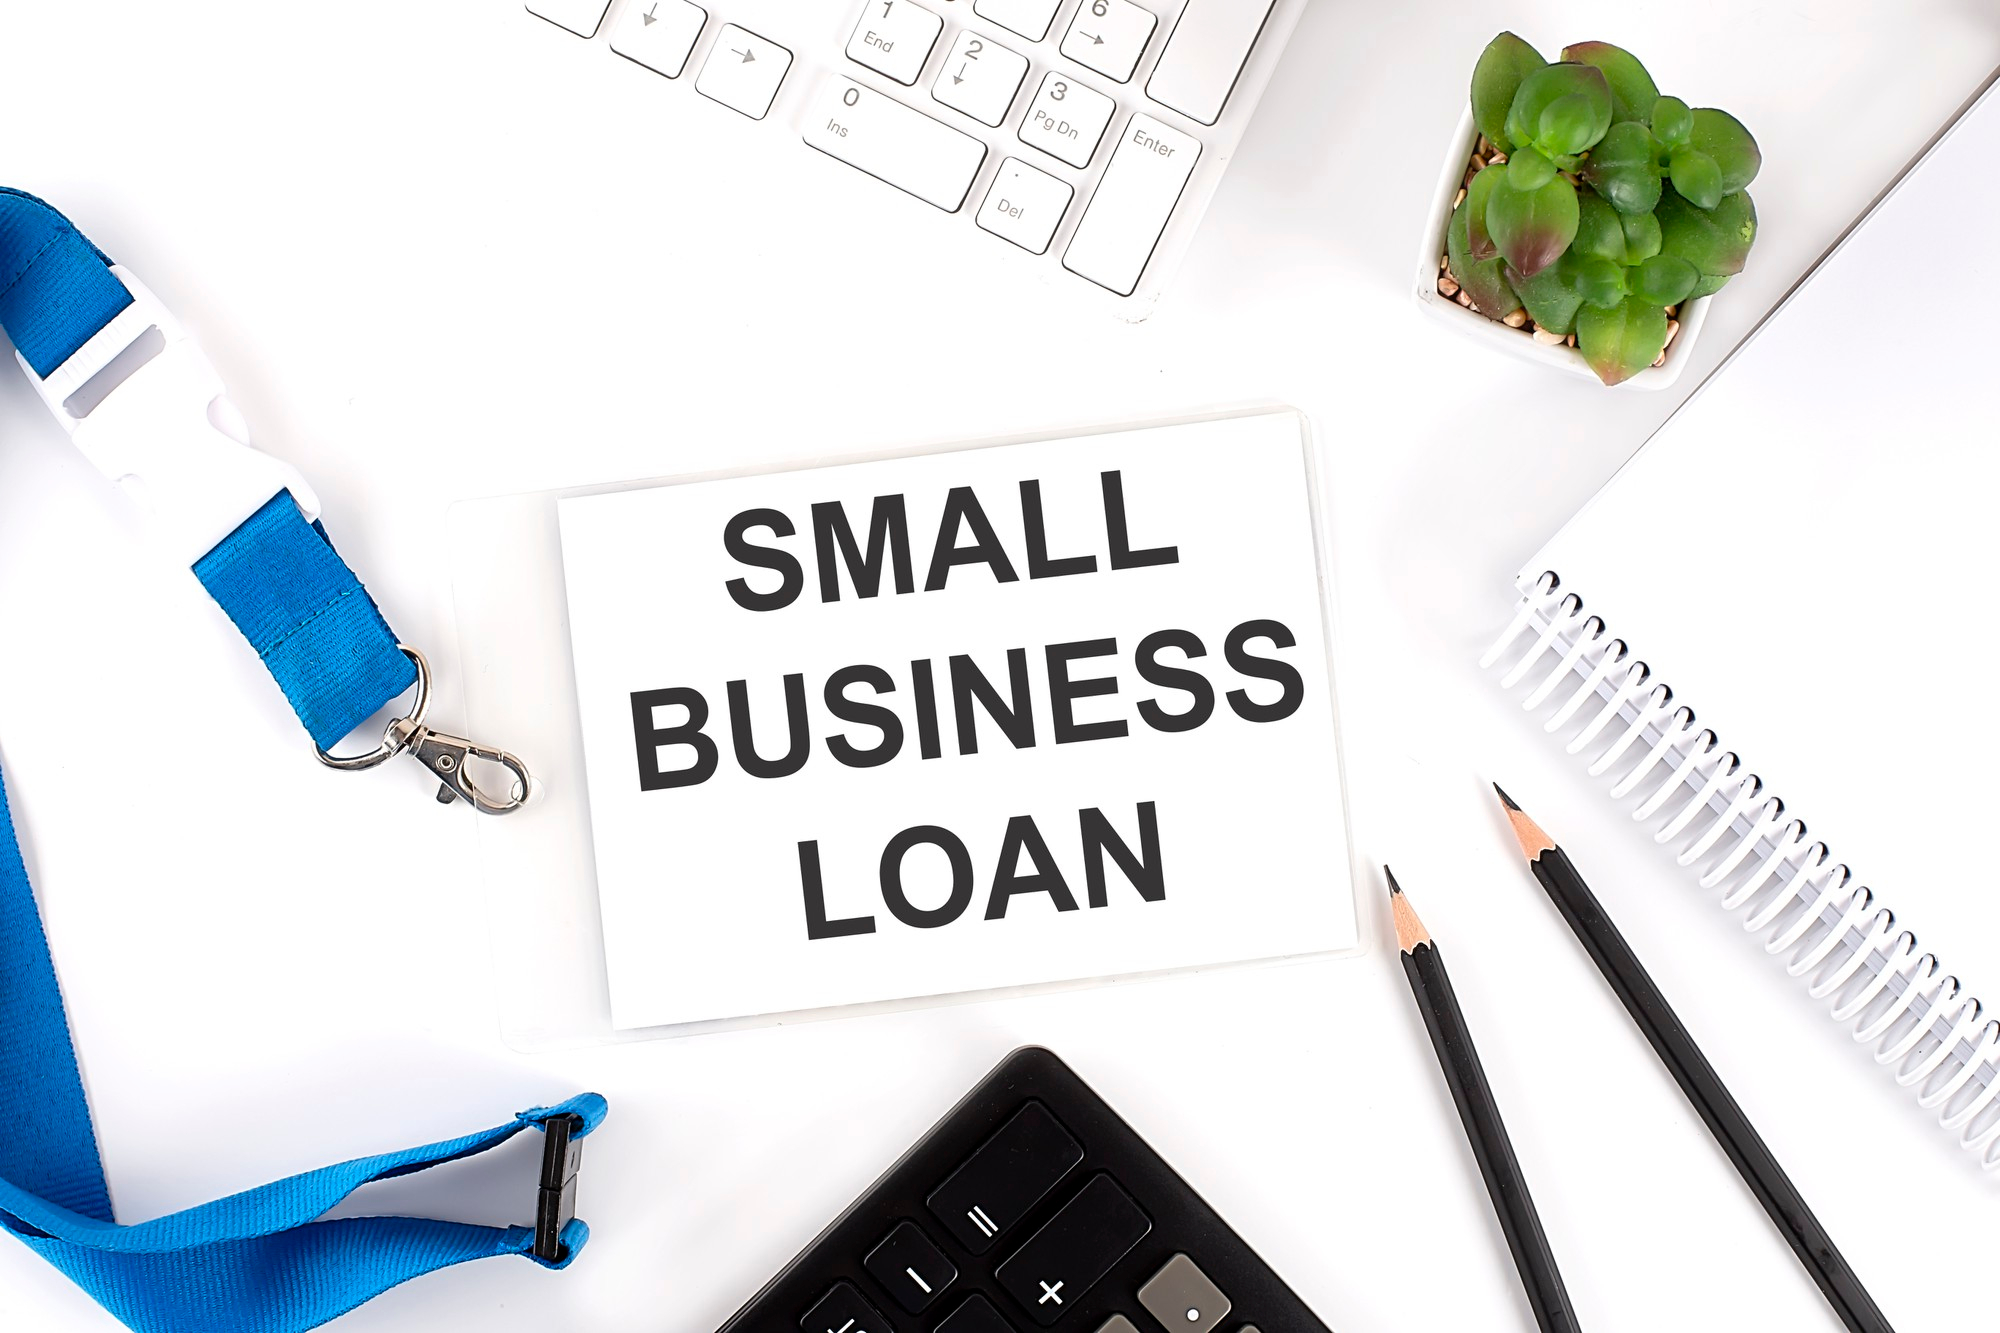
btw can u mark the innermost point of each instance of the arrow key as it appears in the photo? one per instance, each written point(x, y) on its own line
point(743, 71)
point(980, 78)
point(1109, 36)
point(660, 34)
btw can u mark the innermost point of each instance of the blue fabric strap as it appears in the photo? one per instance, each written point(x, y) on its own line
point(309, 618)
point(277, 576)
point(268, 1260)
point(56, 288)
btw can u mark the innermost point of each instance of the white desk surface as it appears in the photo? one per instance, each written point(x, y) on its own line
point(444, 250)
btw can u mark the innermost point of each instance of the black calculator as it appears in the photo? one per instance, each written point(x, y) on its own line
point(1031, 1206)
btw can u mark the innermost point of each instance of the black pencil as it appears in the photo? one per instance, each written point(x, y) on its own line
point(1698, 1079)
point(1481, 1114)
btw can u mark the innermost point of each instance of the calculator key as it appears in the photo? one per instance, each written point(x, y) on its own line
point(894, 37)
point(1117, 1323)
point(579, 16)
point(1025, 205)
point(1181, 1296)
point(1124, 219)
point(913, 1269)
point(1009, 1174)
point(1109, 36)
point(875, 133)
point(1205, 55)
point(660, 34)
point(843, 1310)
point(1067, 119)
point(743, 71)
point(977, 1315)
point(1030, 18)
point(1073, 1250)
point(980, 78)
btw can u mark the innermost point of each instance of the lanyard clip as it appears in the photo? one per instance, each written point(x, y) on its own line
point(142, 403)
point(443, 755)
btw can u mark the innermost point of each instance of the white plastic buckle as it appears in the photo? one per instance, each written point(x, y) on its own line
point(166, 432)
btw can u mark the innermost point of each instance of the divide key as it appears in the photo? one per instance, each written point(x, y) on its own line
point(1011, 1173)
point(1073, 1250)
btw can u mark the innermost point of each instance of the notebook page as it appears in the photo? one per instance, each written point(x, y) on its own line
point(1806, 552)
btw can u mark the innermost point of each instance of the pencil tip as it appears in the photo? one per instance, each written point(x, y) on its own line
point(1526, 831)
point(1410, 930)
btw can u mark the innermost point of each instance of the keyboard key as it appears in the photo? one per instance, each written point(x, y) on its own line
point(1066, 119)
point(1030, 18)
point(894, 38)
point(980, 78)
point(977, 1315)
point(843, 1310)
point(1025, 206)
point(1205, 55)
point(1109, 36)
point(1009, 1174)
point(660, 34)
point(743, 71)
point(579, 16)
point(913, 1269)
point(875, 133)
point(1181, 1296)
point(1073, 1250)
point(1124, 219)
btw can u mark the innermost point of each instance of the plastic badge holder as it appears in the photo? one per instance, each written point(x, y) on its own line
point(538, 864)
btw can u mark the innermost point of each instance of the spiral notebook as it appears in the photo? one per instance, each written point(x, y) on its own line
point(1772, 634)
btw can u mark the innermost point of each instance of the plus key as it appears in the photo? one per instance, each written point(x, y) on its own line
point(1073, 1250)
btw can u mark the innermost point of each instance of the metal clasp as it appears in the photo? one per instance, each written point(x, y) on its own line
point(442, 754)
point(445, 757)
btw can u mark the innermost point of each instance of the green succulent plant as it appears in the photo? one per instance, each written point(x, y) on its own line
point(1605, 203)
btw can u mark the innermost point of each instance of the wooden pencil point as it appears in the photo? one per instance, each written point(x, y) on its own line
point(1533, 841)
point(1410, 930)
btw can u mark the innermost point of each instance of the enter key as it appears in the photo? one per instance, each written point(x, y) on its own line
point(1123, 223)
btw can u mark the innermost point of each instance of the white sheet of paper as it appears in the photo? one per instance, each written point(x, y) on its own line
point(704, 892)
point(1813, 532)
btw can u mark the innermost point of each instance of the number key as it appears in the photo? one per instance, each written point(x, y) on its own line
point(1067, 119)
point(1030, 18)
point(894, 37)
point(1109, 36)
point(980, 78)
point(843, 1310)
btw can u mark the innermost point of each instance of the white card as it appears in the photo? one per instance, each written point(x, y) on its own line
point(1161, 791)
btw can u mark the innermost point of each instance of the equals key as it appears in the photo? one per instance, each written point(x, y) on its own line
point(1010, 1173)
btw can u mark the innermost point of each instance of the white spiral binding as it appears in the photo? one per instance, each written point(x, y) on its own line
point(1806, 906)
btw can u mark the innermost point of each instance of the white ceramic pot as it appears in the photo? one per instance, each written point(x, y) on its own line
point(1497, 335)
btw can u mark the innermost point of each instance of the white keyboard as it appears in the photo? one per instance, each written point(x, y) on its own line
point(1084, 136)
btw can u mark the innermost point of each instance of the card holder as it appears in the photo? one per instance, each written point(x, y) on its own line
point(539, 866)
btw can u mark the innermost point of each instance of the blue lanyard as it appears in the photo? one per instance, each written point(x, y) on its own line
point(265, 1261)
